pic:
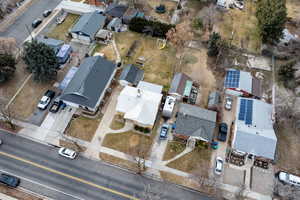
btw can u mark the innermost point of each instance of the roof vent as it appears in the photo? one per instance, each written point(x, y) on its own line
point(139, 93)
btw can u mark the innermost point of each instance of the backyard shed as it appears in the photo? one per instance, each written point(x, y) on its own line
point(213, 100)
point(64, 53)
point(181, 86)
point(87, 26)
point(103, 35)
point(131, 75)
point(115, 24)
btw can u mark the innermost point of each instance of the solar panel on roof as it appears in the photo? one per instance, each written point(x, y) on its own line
point(249, 108)
point(232, 79)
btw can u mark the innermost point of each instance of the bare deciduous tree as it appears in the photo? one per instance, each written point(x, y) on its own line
point(7, 115)
point(179, 35)
point(8, 45)
point(209, 15)
point(139, 152)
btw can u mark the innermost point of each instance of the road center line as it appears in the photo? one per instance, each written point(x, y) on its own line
point(68, 176)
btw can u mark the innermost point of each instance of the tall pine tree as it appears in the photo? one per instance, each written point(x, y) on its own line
point(41, 61)
point(271, 16)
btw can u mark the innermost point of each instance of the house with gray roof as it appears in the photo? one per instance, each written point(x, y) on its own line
point(87, 87)
point(53, 43)
point(115, 24)
point(181, 86)
point(115, 10)
point(253, 129)
point(87, 26)
point(131, 75)
point(195, 122)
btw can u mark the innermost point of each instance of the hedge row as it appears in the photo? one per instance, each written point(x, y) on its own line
point(153, 28)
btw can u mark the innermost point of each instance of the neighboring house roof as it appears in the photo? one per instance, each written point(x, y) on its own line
point(241, 80)
point(143, 85)
point(178, 84)
point(89, 24)
point(139, 105)
point(254, 131)
point(132, 74)
point(53, 43)
point(196, 122)
point(116, 10)
point(89, 82)
point(102, 33)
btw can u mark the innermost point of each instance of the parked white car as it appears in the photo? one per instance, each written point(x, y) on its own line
point(219, 166)
point(68, 153)
point(228, 103)
point(289, 178)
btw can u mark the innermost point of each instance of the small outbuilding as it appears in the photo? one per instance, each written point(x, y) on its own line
point(131, 75)
point(169, 106)
point(181, 86)
point(87, 26)
point(213, 100)
point(103, 35)
point(115, 24)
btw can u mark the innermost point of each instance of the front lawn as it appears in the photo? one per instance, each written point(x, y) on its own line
point(60, 31)
point(198, 158)
point(118, 161)
point(83, 128)
point(173, 148)
point(116, 124)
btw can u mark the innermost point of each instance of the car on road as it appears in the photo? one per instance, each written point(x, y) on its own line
point(164, 131)
point(219, 166)
point(9, 180)
point(289, 178)
point(36, 23)
point(222, 132)
point(56, 105)
point(228, 103)
point(45, 100)
point(68, 153)
point(46, 13)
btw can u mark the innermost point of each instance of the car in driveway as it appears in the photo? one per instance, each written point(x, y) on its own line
point(56, 105)
point(46, 13)
point(36, 23)
point(228, 103)
point(222, 132)
point(68, 153)
point(45, 100)
point(164, 131)
point(290, 179)
point(9, 180)
point(219, 165)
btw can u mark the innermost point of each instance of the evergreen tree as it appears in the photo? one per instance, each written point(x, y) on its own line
point(271, 16)
point(214, 44)
point(41, 61)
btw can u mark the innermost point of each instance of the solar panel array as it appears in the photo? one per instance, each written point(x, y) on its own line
point(232, 79)
point(246, 108)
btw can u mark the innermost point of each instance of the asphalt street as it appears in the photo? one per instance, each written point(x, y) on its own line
point(18, 28)
point(43, 171)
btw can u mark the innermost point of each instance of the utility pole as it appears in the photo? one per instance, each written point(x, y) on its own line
point(29, 32)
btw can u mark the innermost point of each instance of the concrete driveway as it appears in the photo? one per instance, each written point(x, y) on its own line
point(18, 29)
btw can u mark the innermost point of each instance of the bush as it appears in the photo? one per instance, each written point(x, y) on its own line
point(198, 23)
point(177, 147)
point(286, 74)
point(7, 67)
point(153, 28)
point(214, 44)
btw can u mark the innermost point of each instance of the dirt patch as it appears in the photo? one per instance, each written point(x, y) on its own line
point(116, 124)
point(107, 50)
point(293, 7)
point(61, 31)
point(159, 64)
point(134, 140)
point(21, 195)
point(288, 145)
point(173, 148)
point(118, 161)
point(83, 128)
point(195, 66)
point(191, 161)
point(71, 145)
point(8, 89)
point(243, 25)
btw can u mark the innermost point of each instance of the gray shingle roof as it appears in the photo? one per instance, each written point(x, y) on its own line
point(213, 99)
point(116, 10)
point(89, 24)
point(178, 83)
point(195, 121)
point(89, 82)
point(53, 43)
point(255, 144)
point(132, 74)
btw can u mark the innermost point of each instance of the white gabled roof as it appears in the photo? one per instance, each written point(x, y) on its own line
point(143, 85)
point(139, 105)
point(256, 136)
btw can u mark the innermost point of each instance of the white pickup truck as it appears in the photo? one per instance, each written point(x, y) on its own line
point(45, 100)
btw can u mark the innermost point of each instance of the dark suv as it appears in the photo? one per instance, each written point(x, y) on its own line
point(36, 23)
point(222, 132)
point(9, 180)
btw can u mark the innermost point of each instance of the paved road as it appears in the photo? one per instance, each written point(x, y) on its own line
point(43, 171)
point(18, 29)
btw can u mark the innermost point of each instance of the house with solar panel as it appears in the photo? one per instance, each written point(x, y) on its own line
point(253, 132)
point(242, 83)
